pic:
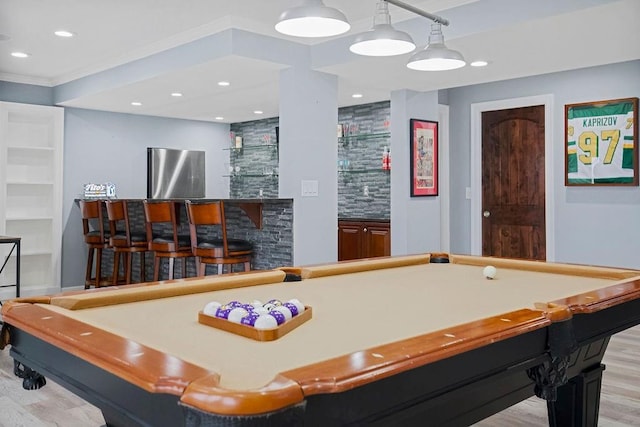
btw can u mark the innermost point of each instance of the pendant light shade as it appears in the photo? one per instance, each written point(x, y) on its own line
point(436, 56)
point(382, 39)
point(312, 19)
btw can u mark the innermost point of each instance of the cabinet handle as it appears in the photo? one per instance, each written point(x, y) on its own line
point(365, 229)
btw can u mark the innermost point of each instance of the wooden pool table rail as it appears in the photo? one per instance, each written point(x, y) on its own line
point(370, 264)
point(356, 369)
point(547, 267)
point(157, 372)
point(113, 295)
point(149, 369)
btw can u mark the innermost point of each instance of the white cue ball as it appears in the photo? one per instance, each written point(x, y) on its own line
point(489, 272)
point(210, 308)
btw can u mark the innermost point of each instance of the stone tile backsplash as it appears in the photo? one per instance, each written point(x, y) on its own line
point(364, 188)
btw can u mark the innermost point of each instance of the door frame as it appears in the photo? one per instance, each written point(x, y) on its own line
point(443, 178)
point(476, 166)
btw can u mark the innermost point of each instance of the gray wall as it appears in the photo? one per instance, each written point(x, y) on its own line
point(26, 94)
point(597, 225)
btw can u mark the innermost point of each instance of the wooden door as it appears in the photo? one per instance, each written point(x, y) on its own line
point(513, 183)
point(349, 240)
point(377, 239)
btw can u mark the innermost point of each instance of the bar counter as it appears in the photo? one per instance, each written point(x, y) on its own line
point(267, 223)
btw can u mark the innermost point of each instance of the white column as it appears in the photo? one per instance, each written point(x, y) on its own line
point(415, 221)
point(308, 158)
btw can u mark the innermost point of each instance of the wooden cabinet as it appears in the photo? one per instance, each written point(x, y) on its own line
point(363, 239)
point(31, 144)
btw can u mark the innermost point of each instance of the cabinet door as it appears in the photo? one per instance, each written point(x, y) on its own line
point(377, 239)
point(349, 240)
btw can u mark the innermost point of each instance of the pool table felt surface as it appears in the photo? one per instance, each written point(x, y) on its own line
point(351, 313)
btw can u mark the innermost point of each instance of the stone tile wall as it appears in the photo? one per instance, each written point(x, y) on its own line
point(254, 167)
point(364, 189)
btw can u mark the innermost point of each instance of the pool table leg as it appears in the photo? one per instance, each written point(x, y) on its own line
point(31, 380)
point(578, 401)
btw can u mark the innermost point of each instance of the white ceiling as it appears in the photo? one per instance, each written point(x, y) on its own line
point(142, 50)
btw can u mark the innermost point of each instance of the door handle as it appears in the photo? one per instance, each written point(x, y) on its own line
point(486, 214)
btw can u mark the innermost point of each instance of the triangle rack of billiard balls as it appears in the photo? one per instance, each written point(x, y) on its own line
point(255, 320)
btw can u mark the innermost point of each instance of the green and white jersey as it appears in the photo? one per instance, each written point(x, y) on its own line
point(600, 143)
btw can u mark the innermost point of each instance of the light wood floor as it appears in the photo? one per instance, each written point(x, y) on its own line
point(54, 406)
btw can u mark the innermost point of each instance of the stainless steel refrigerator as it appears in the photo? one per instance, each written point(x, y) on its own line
point(175, 174)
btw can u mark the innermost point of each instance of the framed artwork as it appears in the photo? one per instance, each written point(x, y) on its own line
point(601, 140)
point(424, 158)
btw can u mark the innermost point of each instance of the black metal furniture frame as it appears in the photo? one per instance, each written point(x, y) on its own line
point(15, 241)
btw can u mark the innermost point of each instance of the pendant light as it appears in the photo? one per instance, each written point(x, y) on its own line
point(312, 19)
point(436, 56)
point(382, 39)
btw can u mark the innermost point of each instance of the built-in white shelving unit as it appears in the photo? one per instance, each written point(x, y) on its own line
point(31, 152)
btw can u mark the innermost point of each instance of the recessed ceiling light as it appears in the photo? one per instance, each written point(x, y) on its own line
point(20, 54)
point(176, 94)
point(219, 118)
point(64, 33)
point(479, 63)
point(136, 103)
point(257, 112)
point(223, 83)
point(356, 95)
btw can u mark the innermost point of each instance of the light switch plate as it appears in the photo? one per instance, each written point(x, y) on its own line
point(309, 188)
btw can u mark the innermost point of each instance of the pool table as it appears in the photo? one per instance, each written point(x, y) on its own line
point(392, 341)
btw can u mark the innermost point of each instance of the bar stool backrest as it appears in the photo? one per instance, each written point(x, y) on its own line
point(119, 225)
point(161, 221)
point(207, 214)
point(93, 222)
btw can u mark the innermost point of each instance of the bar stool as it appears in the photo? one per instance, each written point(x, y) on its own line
point(162, 223)
point(125, 242)
point(210, 248)
point(96, 239)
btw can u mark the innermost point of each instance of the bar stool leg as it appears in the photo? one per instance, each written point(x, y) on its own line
point(156, 268)
point(98, 267)
point(143, 268)
point(171, 266)
point(116, 267)
point(87, 277)
point(127, 268)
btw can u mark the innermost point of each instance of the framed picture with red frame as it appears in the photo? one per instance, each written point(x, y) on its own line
point(424, 158)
